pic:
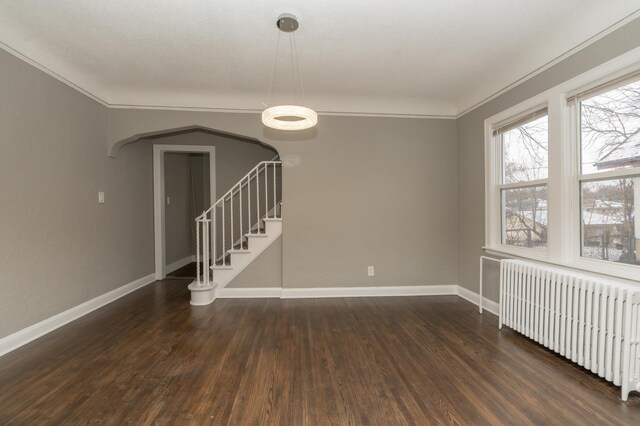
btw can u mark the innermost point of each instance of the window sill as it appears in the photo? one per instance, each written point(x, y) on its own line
point(600, 267)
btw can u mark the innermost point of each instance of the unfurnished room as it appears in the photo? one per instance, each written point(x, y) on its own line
point(320, 212)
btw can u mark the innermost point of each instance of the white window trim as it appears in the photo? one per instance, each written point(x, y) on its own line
point(563, 192)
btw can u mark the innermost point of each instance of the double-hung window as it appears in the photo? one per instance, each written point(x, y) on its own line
point(524, 152)
point(609, 179)
point(563, 173)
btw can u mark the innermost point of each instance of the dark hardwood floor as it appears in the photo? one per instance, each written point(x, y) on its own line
point(151, 358)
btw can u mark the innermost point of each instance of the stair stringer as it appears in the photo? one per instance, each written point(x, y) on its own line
point(240, 259)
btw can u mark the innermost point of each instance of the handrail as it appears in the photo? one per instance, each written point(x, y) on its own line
point(218, 221)
point(234, 188)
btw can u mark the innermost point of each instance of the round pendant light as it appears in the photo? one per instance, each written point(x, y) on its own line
point(289, 117)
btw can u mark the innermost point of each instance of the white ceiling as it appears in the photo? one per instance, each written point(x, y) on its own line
point(422, 57)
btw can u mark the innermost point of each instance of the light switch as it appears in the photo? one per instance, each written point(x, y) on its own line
point(101, 197)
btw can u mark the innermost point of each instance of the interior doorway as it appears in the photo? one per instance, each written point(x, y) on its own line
point(184, 186)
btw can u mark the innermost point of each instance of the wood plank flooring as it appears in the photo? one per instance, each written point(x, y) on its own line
point(151, 358)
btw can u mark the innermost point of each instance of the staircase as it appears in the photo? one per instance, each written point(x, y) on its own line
point(236, 229)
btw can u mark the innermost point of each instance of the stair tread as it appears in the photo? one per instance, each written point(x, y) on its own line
point(221, 267)
point(256, 235)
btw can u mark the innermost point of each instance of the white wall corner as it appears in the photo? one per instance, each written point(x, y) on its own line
point(26, 335)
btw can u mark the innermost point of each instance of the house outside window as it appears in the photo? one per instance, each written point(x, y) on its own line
point(610, 142)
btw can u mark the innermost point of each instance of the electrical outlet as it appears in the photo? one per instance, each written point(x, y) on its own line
point(168, 200)
point(370, 271)
point(101, 197)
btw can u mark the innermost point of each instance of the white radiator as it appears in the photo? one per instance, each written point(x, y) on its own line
point(592, 321)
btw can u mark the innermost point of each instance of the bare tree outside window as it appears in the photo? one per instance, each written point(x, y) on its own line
point(525, 159)
point(610, 139)
point(610, 125)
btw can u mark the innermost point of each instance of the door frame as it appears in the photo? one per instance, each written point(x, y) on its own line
point(159, 196)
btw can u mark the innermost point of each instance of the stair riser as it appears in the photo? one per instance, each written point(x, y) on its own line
point(255, 245)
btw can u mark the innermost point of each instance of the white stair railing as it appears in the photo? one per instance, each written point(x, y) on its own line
point(238, 212)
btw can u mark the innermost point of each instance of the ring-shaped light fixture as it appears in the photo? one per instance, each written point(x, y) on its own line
point(289, 117)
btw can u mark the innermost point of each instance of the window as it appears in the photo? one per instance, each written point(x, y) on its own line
point(524, 147)
point(563, 173)
point(610, 142)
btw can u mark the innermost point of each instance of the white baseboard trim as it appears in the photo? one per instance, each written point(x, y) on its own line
point(473, 297)
point(325, 292)
point(418, 290)
point(249, 293)
point(26, 335)
point(174, 266)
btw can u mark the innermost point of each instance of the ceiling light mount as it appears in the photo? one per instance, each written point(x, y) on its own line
point(289, 116)
point(287, 23)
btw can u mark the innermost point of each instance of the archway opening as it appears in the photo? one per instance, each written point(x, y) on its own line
point(193, 168)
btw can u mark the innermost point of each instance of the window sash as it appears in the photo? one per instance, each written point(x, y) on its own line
point(608, 85)
point(519, 120)
point(581, 224)
point(503, 222)
point(601, 87)
point(523, 184)
point(510, 124)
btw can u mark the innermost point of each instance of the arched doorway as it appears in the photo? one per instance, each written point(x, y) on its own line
point(230, 157)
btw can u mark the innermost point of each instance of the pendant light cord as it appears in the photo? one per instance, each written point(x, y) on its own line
point(296, 75)
point(295, 49)
point(273, 73)
point(293, 70)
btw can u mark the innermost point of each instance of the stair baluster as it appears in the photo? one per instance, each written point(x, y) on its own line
point(212, 230)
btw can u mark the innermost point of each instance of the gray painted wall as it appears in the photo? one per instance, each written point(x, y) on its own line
point(357, 191)
point(371, 191)
point(471, 147)
point(58, 246)
point(264, 271)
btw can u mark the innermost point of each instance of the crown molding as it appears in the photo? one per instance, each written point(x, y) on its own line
point(622, 22)
point(52, 73)
point(258, 111)
point(446, 112)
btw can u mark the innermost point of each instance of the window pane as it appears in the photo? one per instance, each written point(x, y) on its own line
point(611, 129)
point(524, 217)
point(525, 151)
point(610, 228)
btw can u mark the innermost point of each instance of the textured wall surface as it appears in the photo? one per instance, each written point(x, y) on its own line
point(471, 147)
